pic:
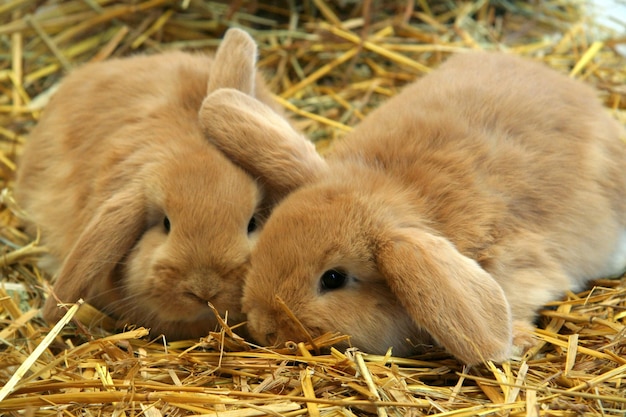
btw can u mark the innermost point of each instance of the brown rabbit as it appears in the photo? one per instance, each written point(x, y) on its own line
point(454, 211)
point(143, 217)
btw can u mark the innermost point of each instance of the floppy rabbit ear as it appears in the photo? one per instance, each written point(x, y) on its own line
point(449, 295)
point(107, 239)
point(260, 141)
point(234, 63)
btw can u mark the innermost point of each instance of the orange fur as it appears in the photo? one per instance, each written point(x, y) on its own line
point(293, 158)
point(119, 147)
point(462, 205)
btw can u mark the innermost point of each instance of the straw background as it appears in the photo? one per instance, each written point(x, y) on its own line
point(329, 62)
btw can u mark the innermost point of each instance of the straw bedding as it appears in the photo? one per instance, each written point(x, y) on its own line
point(329, 63)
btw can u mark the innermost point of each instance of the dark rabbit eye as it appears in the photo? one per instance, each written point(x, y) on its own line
point(252, 225)
point(166, 224)
point(333, 279)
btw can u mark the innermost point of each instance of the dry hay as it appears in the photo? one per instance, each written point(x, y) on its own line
point(330, 62)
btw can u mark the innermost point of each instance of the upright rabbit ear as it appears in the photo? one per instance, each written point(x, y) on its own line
point(234, 63)
point(260, 141)
point(107, 239)
point(449, 295)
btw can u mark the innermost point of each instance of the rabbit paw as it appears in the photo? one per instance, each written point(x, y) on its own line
point(523, 337)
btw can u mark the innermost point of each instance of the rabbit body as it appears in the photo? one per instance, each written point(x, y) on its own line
point(143, 217)
point(453, 211)
point(503, 156)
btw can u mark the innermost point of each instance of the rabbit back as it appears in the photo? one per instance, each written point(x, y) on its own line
point(88, 128)
point(500, 144)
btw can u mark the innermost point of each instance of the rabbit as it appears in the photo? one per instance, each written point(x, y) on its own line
point(143, 217)
point(449, 215)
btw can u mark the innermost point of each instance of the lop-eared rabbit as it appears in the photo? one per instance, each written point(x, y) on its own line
point(144, 218)
point(453, 211)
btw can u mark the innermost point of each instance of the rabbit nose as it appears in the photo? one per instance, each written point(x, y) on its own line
point(197, 297)
point(271, 338)
point(200, 292)
point(193, 296)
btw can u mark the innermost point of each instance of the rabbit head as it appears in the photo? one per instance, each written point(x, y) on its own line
point(357, 267)
point(177, 237)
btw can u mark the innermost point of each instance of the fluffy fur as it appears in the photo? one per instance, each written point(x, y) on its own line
point(456, 210)
point(143, 217)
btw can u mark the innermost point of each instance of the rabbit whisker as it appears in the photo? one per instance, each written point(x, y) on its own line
point(297, 322)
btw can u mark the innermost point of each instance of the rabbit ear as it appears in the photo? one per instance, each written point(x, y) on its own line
point(107, 239)
point(260, 141)
point(234, 63)
point(449, 295)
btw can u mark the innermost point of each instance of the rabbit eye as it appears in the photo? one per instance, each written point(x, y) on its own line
point(333, 279)
point(166, 224)
point(252, 225)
